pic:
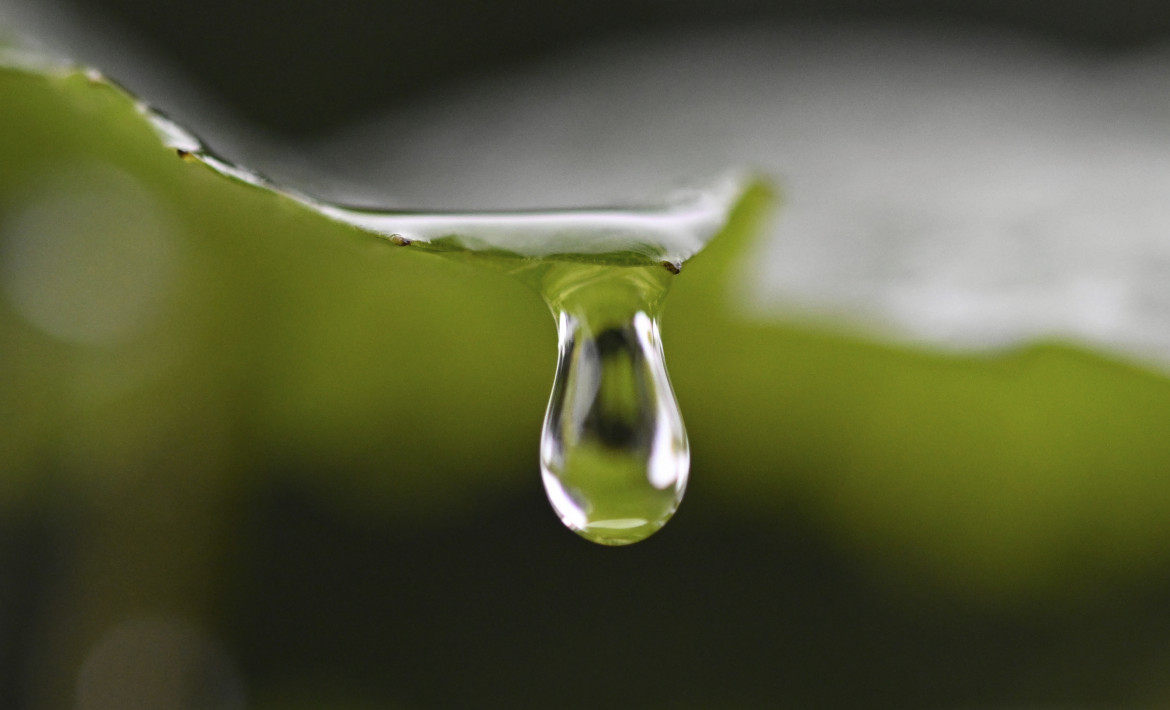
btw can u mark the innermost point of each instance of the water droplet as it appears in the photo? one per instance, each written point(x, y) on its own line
point(614, 455)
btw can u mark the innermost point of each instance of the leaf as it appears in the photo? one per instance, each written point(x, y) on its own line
point(671, 233)
point(1036, 468)
point(269, 310)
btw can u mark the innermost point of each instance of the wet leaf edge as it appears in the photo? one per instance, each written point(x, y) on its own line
point(616, 236)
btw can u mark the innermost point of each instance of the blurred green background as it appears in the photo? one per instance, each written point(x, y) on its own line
point(252, 459)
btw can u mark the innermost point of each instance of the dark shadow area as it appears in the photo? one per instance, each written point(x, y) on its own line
point(29, 560)
point(502, 609)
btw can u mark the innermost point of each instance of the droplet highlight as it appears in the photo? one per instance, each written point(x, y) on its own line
point(614, 455)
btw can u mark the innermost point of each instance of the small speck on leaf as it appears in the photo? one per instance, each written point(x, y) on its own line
point(672, 266)
point(399, 240)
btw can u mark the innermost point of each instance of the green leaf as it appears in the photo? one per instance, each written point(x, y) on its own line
point(289, 338)
point(277, 314)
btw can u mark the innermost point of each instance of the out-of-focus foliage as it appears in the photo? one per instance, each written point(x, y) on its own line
point(156, 310)
point(171, 340)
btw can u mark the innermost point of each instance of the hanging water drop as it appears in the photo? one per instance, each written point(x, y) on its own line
point(614, 455)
